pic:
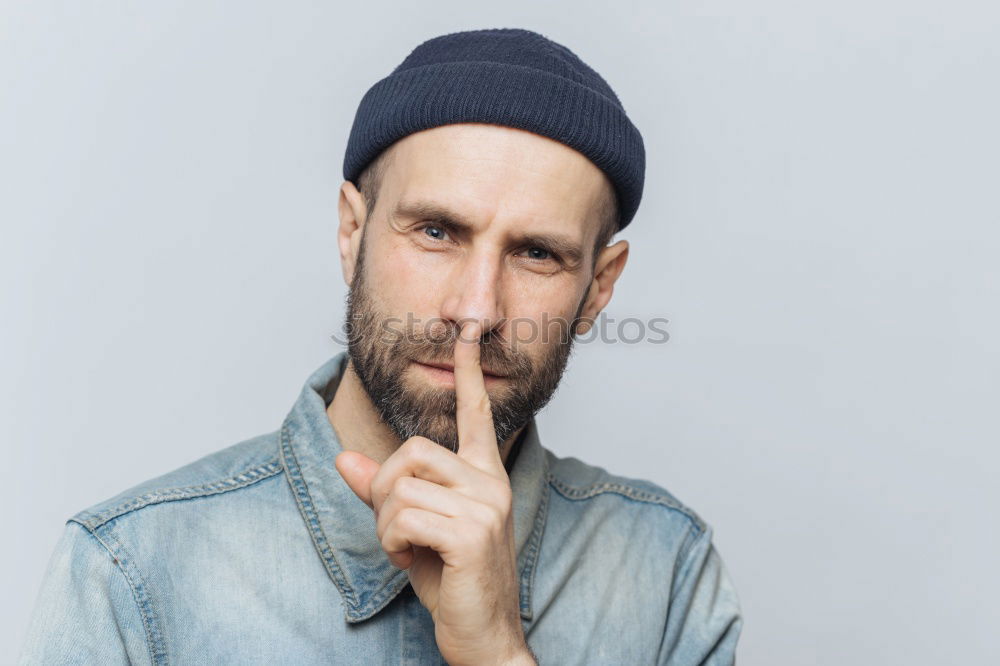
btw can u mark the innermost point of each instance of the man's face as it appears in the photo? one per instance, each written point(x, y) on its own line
point(473, 222)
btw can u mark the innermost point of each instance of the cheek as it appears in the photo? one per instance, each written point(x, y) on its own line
point(541, 317)
point(406, 280)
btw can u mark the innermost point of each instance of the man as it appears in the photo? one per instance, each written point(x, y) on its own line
point(406, 511)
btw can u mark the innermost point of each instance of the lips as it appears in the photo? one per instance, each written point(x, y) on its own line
point(451, 368)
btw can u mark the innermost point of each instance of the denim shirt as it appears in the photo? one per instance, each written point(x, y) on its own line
point(261, 553)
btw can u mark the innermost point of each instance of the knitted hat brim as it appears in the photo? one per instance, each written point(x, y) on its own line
point(439, 94)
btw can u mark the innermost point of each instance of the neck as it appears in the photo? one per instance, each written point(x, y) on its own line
point(359, 428)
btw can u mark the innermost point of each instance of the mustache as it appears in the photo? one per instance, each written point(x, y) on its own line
point(494, 354)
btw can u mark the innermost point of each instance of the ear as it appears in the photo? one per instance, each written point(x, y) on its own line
point(353, 214)
point(609, 266)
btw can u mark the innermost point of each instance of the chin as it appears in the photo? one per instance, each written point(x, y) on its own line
point(441, 430)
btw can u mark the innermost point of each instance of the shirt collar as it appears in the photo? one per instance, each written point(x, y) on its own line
point(342, 527)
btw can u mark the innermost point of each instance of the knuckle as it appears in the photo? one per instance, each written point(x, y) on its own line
point(500, 494)
point(404, 487)
point(486, 517)
point(470, 537)
point(418, 448)
point(504, 494)
point(496, 516)
point(500, 516)
point(408, 519)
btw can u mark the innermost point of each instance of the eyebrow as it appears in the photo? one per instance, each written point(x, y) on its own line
point(564, 247)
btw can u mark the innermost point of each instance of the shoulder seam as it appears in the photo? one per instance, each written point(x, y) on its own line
point(241, 480)
point(150, 630)
point(683, 563)
point(576, 494)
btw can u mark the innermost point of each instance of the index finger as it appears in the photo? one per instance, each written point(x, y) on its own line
point(477, 440)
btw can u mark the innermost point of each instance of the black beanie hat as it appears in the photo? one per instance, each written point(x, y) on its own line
point(504, 76)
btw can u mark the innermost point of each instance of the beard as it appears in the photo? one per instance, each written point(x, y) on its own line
point(381, 353)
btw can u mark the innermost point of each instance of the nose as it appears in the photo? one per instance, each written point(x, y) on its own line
point(473, 292)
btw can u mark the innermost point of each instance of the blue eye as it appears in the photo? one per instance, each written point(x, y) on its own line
point(538, 253)
point(437, 233)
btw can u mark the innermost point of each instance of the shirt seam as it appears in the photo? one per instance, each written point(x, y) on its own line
point(304, 502)
point(242, 480)
point(533, 547)
point(686, 564)
point(577, 494)
point(154, 642)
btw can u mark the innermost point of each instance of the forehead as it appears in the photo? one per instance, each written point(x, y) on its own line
point(496, 174)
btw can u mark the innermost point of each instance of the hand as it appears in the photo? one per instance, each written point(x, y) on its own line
point(446, 517)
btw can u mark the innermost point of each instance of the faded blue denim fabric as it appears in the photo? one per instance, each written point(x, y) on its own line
point(261, 554)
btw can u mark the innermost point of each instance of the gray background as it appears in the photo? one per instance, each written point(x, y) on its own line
point(819, 226)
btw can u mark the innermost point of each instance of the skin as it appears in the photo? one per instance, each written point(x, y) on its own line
point(444, 516)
